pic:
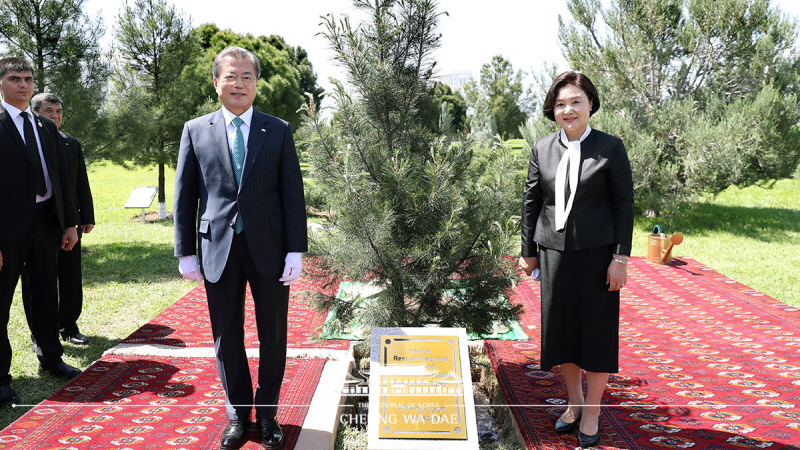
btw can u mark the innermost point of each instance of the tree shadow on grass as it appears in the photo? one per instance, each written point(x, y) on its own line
point(769, 225)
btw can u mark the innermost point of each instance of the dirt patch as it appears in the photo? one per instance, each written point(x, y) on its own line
point(150, 217)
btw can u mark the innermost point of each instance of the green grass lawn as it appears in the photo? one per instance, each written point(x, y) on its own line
point(751, 235)
point(130, 275)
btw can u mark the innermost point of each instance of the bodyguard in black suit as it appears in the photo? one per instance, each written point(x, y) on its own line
point(70, 276)
point(36, 219)
point(240, 218)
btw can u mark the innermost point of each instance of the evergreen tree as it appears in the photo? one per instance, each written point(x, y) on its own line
point(155, 47)
point(456, 107)
point(410, 211)
point(503, 91)
point(298, 58)
point(62, 44)
point(482, 124)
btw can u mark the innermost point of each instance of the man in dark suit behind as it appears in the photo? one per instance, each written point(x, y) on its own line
point(240, 217)
point(70, 277)
point(36, 219)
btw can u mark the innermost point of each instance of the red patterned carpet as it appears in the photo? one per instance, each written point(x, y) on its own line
point(171, 401)
point(153, 403)
point(186, 324)
point(706, 363)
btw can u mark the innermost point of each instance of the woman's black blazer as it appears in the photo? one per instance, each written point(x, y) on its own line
point(602, 212)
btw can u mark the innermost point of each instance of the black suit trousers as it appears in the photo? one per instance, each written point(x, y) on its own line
point(40, 280)
point(226, 306)
point(34, 257)
point(70, 288)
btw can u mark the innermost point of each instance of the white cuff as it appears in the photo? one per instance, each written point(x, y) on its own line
point(190, 268)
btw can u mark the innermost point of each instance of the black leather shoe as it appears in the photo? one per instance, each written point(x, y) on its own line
point(566, 427)
point(8, 396)
point(60, 370)
point(233, 435)
point(271, 433)
point(586, 440)
point(75, 339)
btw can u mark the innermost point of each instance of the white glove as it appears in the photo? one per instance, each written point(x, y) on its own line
point(189, 268)
point(292, 269)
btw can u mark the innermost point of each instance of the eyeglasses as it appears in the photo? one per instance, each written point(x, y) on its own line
point(233, 79)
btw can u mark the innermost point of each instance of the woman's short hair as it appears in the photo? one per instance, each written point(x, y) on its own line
point(570, 78)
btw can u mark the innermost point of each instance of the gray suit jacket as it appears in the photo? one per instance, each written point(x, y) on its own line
point(270, 199)
point(602, 212)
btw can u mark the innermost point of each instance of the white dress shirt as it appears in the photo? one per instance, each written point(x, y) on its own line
point(16, 116)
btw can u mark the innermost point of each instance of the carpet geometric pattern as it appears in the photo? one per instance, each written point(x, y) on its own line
point(152, 403)
point(705, 363)
point(186, 322)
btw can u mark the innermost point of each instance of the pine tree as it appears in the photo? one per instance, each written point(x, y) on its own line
point(484, 127)
point(155, 47)
point(411, 210)
point(62, 44)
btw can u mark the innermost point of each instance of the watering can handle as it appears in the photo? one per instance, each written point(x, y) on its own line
point(658, 229)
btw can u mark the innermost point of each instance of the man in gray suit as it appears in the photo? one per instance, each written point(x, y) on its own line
point(240, 218)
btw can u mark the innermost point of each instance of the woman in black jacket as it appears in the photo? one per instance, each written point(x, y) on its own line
point(577, 225)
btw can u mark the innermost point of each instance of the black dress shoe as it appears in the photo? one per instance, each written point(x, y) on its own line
point(271, 433)
point(60, 370)
point(233, 435)
point(566, 427)
point(8, 396)
point(75, 339)
point(586, 440)
point(589, 440)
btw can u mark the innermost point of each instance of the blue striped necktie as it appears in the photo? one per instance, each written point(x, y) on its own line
point(237, 157)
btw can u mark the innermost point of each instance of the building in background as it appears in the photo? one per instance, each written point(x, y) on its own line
point(456, 80)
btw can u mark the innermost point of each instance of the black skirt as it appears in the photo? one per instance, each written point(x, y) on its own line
point(580, 317)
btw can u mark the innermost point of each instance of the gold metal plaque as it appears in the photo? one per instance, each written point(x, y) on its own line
point(421, 388)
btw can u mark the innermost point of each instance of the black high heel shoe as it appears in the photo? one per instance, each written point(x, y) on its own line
point(589, 440)
point(566, 427)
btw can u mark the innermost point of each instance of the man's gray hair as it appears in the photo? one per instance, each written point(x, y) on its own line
point(36, 101)
point(235, 53)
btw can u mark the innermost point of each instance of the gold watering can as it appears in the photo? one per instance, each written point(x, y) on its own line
point(659, 245)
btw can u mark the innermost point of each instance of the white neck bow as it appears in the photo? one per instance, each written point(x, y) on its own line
point(571, 158)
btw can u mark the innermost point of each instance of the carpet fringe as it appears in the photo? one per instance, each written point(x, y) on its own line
point(208, 352)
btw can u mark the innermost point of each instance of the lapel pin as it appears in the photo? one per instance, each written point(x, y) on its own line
point(263, 130)
point(39, 123)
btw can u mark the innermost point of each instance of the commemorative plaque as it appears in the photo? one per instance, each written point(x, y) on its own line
point(420, 390)
point(142, 197)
